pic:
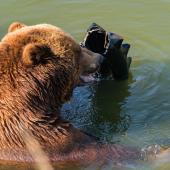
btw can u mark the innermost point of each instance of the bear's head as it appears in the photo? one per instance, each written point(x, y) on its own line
point(40, 66)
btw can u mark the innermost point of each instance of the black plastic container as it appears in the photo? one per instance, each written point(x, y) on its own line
point(108, 44)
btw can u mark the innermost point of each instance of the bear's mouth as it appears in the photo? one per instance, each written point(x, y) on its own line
point(90, 75)
point(87, 78)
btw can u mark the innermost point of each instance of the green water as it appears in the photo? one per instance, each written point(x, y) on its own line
point(135, 112)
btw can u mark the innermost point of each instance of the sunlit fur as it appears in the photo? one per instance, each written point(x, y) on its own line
point(31, 95)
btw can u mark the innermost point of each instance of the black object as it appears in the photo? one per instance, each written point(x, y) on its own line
point(108, 44)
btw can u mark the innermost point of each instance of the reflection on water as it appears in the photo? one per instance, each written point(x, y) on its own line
point(133, 112)
point(108, 99)
point(101, 112)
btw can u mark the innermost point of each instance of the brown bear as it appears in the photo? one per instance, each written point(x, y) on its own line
point(39, 67)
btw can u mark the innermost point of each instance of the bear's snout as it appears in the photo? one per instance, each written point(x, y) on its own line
point(99, 60)
point(90, 61)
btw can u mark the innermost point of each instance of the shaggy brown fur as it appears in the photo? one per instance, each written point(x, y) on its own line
point(39, 67)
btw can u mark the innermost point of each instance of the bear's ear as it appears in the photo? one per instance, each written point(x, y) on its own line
point(34, 54)
point(15, 26)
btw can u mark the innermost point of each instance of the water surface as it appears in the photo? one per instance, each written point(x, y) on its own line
point(134, 112)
